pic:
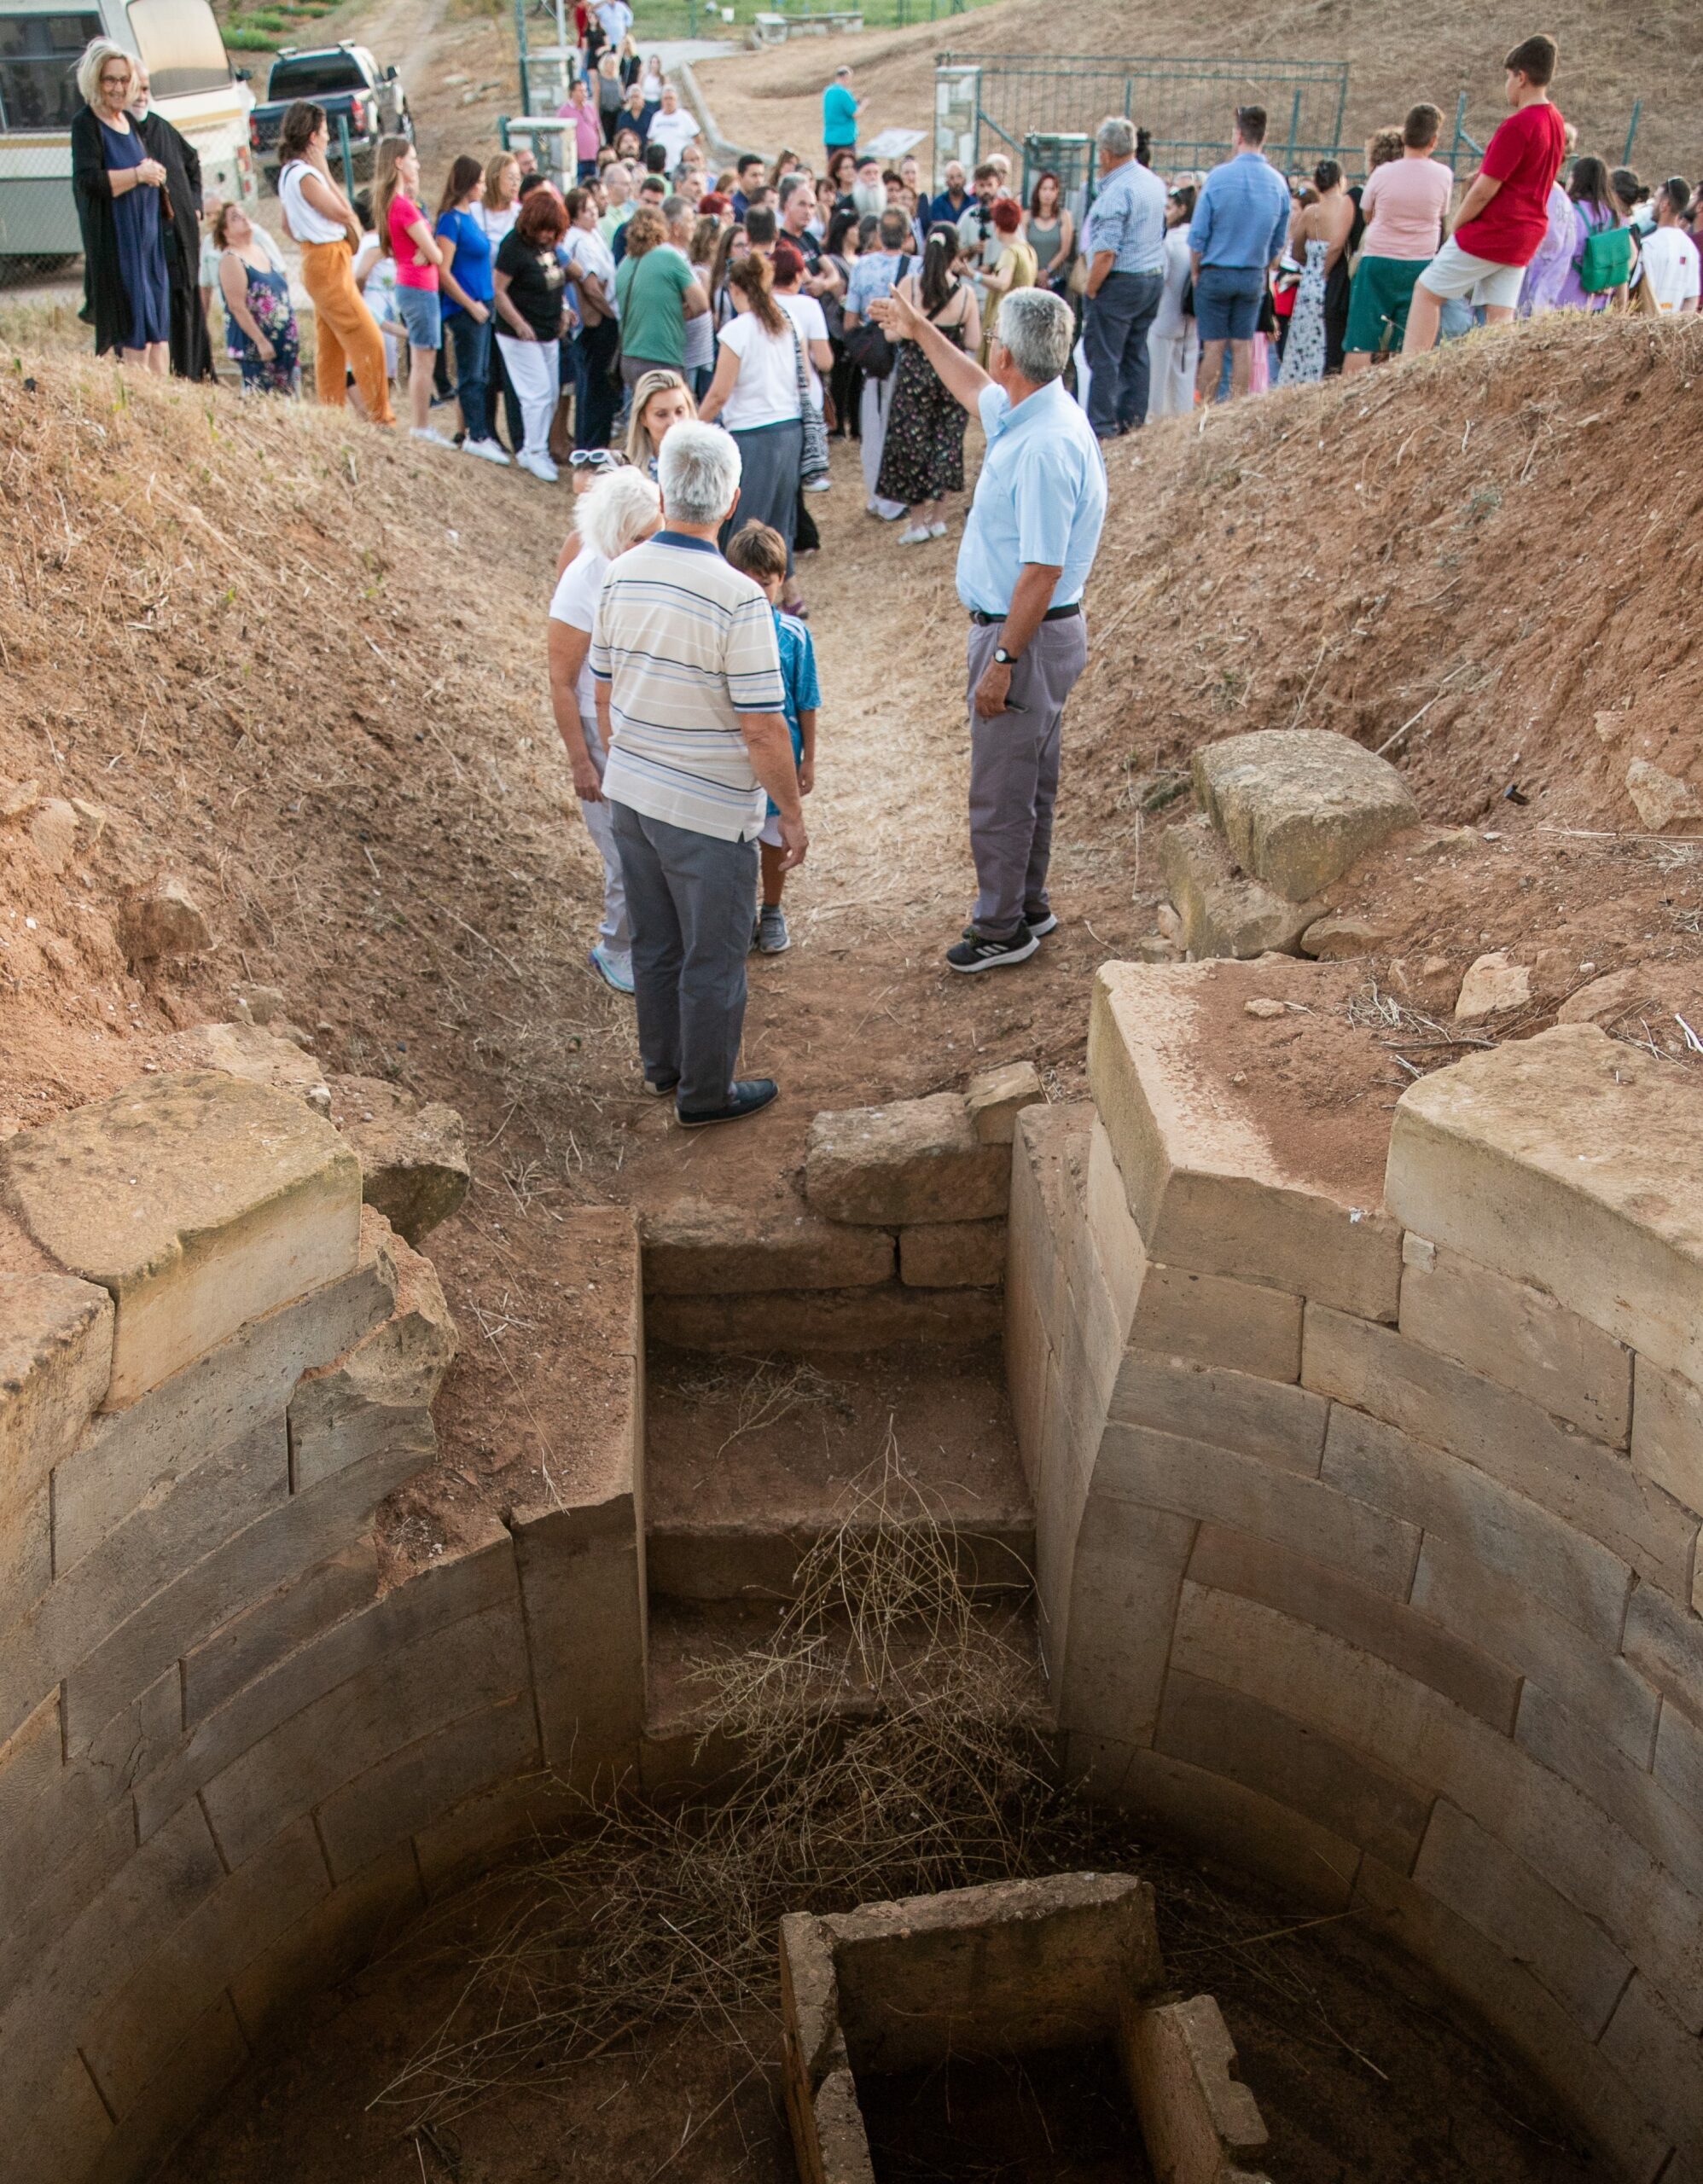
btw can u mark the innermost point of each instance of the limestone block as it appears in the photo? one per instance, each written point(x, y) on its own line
point(801, 1322)
point(55, 1353)
point(697, 1248)
point(1679, 1758)
point(415, 1786)
point(530, 1812)
point(952, 1255)
point(1212, 1319)
point(1665, 1642)
point(1283, 1425)
point(1660, 2058)
point(1109, 1247)
point(1390, 1471)
point(1250, 1832)
point(1592, 1488)
point(1660, 799)
point(1572, 1155)
point(1207, 1192)
point(911, 1160)
point(994, 1100)
point(198, 1201)
point(332, 1941)
point(162, 919)
point(1227, 1733)
point(128, 1456)
point(245, 1051)
point(1027, 1361)
point(1460, 1593)
point(1313, 1592)
point(1223, 912)
point(1339, 937)
point(63, 2120)
point(1298, 806)
point(582, 1578)
point(379, 1394)
point(213, 2053)
point(26, 1553)
point(1514, 1332)
point(1199, 2123)
point(297, 1610)
point(1632, 1796)
point(1493, 983)
point(413, 1154)
point(1126, 1575)
point(1667, 1435)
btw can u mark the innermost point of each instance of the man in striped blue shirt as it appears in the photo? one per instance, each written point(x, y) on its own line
point(690, 707)
point(1126, 246)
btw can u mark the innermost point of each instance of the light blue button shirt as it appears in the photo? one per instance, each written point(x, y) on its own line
point(1128, 219)
point(1243, 214)
point(1041, 497)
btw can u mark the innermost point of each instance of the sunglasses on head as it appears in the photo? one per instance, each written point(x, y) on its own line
point(595, 458)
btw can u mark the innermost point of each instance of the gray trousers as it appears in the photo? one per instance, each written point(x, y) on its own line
point(691, 899)
point(1114, 333)
point(1015, 772)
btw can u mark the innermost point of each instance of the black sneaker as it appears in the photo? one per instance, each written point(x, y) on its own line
point(745, 1097)
point(973, 953)
point(1042, 924)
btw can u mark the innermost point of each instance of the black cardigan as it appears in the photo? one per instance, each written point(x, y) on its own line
point(105, 305)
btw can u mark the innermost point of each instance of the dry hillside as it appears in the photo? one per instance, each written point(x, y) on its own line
point(1611, 58)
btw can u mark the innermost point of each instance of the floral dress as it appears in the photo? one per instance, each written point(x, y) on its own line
point(923, 454)
point(269, 306)
point(1303, 351)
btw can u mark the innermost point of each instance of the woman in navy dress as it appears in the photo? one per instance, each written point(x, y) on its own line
point(122, 205)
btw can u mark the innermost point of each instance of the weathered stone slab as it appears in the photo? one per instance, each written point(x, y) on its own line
point(1225, 913)
point(994, 1100)
point(1199, 2122)
point(799, 1322)
point(910, 1160)
point(380, 1394)
point(695, 1248)
point(1299, 806)
point(56, 1355)
point(952, 1255)
point(262, 1057)
point(413, 1154)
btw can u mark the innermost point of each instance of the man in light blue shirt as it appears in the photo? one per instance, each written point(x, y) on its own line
point(1234, 239)
point(1030, 542)
point(1125, 247)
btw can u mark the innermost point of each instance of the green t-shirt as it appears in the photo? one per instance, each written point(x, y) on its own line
point(650, 291)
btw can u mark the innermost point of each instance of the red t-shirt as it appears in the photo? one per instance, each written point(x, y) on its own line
point(1525, 156)
point(412, 271)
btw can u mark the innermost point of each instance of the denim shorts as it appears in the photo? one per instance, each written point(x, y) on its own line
point(421, 312)
point(1227, 301)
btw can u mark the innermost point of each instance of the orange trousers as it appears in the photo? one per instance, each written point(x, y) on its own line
point(348, 338)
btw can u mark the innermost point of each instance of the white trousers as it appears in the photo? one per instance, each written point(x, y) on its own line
point(616, 931)
point(533, 370)
point(872, 421)
point(1175, 359)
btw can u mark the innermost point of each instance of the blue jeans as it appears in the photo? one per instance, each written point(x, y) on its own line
point(472, 372)
point(1114, 333)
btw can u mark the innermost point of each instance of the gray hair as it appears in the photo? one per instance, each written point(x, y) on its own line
point(621, 508)
point(96, 55)
point(1116, 137)
point(1035, 328)
point(676, 209)
point(699, 467)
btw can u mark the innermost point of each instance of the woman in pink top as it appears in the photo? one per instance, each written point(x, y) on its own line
point(405, 234)
point(1405, 205)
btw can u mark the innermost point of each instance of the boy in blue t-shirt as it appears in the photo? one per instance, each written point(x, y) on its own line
point(758, 551)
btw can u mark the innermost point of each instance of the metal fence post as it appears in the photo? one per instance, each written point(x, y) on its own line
point(1459, 131)
point(521, 55)
point(347, 155)
point(1631, 131)
point(1294, 133)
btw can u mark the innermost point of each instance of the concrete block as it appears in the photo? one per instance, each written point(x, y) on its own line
point(1390, 1471)
point(582, 1580)
point(198, 1201)
point(1199, 2123)
point(1461, 1593)
point(952, 1255)
point(1516, 1334)
point(355, 1922)
point(1481, 1881)
point(253, 1642)
point(912, 1160)
point(379, 1394)
point(1206, 1190)
point(1244, 1829)
point(1592, 1488)
point(1634, 1799)
point(695, 1248)
point(1298, 806)
point(1313, 1592)
point(994, 1100)
point(1660, 2058)
point(413, 1152)
point(130, 1456)
point(415, 1786)
point(1246, 1493)
point(801, 1322)
point(1222, 912)
point(55, 1354)
point(1125, 1577)
point(1664, 1643)
point(1281, 1423)
point(1571, 1153)
point(1667, 1432)
point(1225, 1732)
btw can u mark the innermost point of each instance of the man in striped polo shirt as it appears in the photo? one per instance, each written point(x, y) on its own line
point(690, 704)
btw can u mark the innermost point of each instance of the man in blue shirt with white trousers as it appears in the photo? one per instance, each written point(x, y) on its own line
point(1125, 247)
point(1028, 545)
point(1234, 239)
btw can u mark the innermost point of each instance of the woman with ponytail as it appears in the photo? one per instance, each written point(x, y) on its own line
point(759, 393)
point(922, 458)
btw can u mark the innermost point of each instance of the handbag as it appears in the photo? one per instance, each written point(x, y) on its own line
point(1606, 260)
point(867, 346)
point(813, 462)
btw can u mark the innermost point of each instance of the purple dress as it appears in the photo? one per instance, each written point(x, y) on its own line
point(1570, 296)
point(1549, 268)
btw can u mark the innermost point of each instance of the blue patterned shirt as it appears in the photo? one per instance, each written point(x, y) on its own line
point(1128, 219)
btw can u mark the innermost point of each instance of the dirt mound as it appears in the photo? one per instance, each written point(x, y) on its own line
point(1610, 59)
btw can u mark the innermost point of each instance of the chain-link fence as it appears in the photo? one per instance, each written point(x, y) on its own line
point(38, 230)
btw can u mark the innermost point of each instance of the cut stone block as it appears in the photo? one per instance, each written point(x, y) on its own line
point(56, 1355)
point(1299, 806)
point(1199, 2121)
point(952, 1255)
point(1493, 983)
point(797, 1322)
point(1222, 912)
point(1339, 937)
point(1575, 1154)
point(245, 1051)
point(911, 1160)
point(994, 1100)
point(197, 1201)
point(582, 1580)
point(1667, 1435)
point(413, 1154)
point(381, 1393)
point(699, 1249)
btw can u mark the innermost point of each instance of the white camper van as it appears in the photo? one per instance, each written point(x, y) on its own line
point(193, 86)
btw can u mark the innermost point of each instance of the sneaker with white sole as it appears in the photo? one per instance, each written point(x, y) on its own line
point(614, 967)
point(915, 534)
point(539, 467)
point(772, 935)
point(818, 484)
point(974, 954)
point(1042, 924)
point(425, 433)
point(936, 531)
point(486, 450)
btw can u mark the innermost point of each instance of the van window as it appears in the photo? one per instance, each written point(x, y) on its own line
point(179, 40)
point(313, 75)
point(37, 54)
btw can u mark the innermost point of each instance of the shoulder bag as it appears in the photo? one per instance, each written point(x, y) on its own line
point(813, 463)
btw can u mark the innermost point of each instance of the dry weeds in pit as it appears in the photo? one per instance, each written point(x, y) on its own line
point(888, 1745)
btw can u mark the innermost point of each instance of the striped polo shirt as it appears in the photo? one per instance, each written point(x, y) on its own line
point(686, 645)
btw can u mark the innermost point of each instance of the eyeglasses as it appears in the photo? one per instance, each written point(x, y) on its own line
point(595, 458)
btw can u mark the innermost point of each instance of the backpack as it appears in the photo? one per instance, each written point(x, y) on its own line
point(1606, 260)
point(867, 346)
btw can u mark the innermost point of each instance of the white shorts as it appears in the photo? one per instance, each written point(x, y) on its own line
point(771, 832)
point(1456, 272)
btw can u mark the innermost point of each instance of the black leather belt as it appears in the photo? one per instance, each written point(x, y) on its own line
point(1053, 614)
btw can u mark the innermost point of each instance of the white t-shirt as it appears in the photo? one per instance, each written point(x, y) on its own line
point(805, 313)
point(674, 132)
point(576, 603)
point(587, 250)
point(766, 392)
point(701, 332)
point(1671, 266)
point(497, 220)
point(306, 225)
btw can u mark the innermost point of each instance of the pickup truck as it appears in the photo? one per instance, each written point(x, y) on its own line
point(347, 81)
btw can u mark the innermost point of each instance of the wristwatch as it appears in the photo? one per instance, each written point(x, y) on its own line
point(1005, 658)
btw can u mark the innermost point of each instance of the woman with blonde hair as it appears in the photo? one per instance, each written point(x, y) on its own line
point(759, 393)
point(321, 218)
point(661, 400)
point(122, 209)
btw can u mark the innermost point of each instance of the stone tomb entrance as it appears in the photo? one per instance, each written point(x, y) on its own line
point(1021, 2026)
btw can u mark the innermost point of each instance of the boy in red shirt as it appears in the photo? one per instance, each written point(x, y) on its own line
point(1505, 215)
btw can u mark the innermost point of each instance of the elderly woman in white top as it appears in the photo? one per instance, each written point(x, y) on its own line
point(1174, 339)
point(623, 507)
point(759, 394)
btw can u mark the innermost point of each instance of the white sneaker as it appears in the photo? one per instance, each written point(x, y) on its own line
point(818, 484)
point(539, 467)
point(425, 433)
point(917, 534)
point(487, 451)
point(936, 531)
